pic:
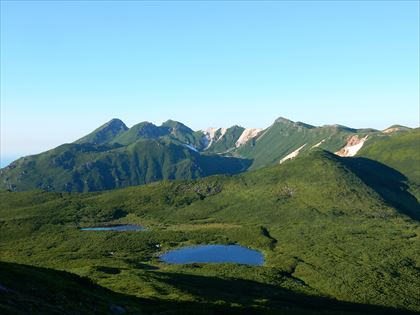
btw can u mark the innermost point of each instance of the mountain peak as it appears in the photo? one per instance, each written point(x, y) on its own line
point(104, 133)
point(176, 125)
point(394, 128)
point(116, 121)
point(284, 120)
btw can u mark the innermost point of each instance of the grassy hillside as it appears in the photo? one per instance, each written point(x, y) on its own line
point(89, 167)
point(400, 151)
point(324, 224)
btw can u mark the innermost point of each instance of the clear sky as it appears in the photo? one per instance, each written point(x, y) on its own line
point(69, 66)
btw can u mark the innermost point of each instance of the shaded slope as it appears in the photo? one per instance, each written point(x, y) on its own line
point(27, 289)
point(387, 182)
point(399, 150)
point(33, 290)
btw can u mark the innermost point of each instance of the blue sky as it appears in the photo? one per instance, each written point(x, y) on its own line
point(67, 67)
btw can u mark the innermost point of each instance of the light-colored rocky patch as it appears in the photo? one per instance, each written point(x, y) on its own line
point(222, 133)
point(247, 134)
point(318, 144)
point(209, 136)
point(391, 130)
point(189, 146)
point(292, 155)
point(353, 145)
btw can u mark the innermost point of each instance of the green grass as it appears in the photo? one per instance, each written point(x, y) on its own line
point(328, 228)
point(400, 151)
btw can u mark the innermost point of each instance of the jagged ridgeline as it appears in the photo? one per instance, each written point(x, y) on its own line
point(115, 156)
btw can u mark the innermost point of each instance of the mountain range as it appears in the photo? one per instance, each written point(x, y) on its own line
point(115, 156)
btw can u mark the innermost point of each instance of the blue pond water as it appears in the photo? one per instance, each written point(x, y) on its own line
point(214, 254)
point(120, 228)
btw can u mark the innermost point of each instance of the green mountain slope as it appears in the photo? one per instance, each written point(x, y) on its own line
point(324, 224)
point(400, 151)
point(185, 134)
point(88, 167)
point(285, 136)
point(143, 130)
point(105, 134)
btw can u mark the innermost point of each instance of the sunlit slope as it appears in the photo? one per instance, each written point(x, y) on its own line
point(89, 167)
point(285, 137)
point(323, 223)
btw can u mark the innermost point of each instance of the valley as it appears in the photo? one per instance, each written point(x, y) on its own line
point(333, 234)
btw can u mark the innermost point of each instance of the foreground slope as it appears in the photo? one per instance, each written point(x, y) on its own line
point(324, 225)
point(27, 289)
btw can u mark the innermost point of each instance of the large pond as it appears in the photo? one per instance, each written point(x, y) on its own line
point(214, 254)
point(119, 228)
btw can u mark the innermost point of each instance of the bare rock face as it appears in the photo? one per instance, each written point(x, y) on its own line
point(353, 145)
point(247, 134)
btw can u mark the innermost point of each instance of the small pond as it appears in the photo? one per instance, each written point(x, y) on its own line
point(119, 228)
point(214, 254)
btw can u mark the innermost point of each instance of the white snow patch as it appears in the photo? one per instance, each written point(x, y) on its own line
point(292, 155)
point(354, 144)
point(319, 143)
point(210, 132)
point(247, 135)
point(264, 132)
point(210, 136)
point(189, 146)
point(222, 133)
